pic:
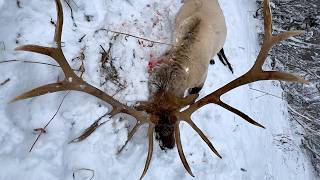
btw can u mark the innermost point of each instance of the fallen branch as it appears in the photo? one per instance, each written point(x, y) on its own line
point(71, 11)
point(299, 114)
point(265, 93)
point(134, 36)
point(44, 129)
point(307, 146)
point(33, 62)
point(5, 82)
point(306, 127)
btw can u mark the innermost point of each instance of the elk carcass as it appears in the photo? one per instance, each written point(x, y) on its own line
point(199, 34)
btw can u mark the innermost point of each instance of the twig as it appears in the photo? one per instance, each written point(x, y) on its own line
point(43, 130)
point(81, 39)
point(105, 55)
point(299, 114)
point(257, 97)
point(83, 169)
point(309, 148)
point(5, 82)
point(306, 127)
point(71, 12)
point(119, 90)
point(137, 37)
point(81, 57)
point(32, 62)
point(19, 4)
point(265, 93)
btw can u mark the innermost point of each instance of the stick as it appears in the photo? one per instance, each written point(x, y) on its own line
point(32, 62)
point(43, 130)
point(265, 93)
point(5, 82)
point(137, 37)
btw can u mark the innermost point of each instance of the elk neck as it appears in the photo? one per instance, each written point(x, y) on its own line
point(172, 77)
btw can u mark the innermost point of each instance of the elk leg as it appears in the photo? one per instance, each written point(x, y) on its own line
point(224, 59)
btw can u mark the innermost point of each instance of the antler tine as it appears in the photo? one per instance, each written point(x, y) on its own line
point(59, 24)
point(282, 76)
point(202, 135)
point(269, 39)
point(54, 87)
point(36, 49)
point(150, 149)
point(239, 113)
point(254, 74)
point(267, 18)
point(180, 149)
point(54, 52)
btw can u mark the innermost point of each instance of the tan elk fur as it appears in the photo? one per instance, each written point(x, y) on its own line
point(200, 32)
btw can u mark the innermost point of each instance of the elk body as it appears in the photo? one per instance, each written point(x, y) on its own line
point(199, 34)
point(184, 66)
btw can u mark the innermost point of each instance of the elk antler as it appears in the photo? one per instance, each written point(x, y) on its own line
point(254, 74)
point(73, 82)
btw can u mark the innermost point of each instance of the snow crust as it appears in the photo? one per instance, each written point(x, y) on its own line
point(249, 153)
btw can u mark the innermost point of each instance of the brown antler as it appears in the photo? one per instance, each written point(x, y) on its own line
point(254, 74)
point(73, 82)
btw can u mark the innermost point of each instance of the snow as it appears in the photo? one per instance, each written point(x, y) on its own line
point(249, 153)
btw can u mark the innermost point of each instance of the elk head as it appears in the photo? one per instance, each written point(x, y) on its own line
point(167, 85)
point(167, 105)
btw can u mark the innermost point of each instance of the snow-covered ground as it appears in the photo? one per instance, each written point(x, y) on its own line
point(249, 153)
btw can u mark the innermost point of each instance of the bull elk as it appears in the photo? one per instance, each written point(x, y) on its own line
point(199, 34)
